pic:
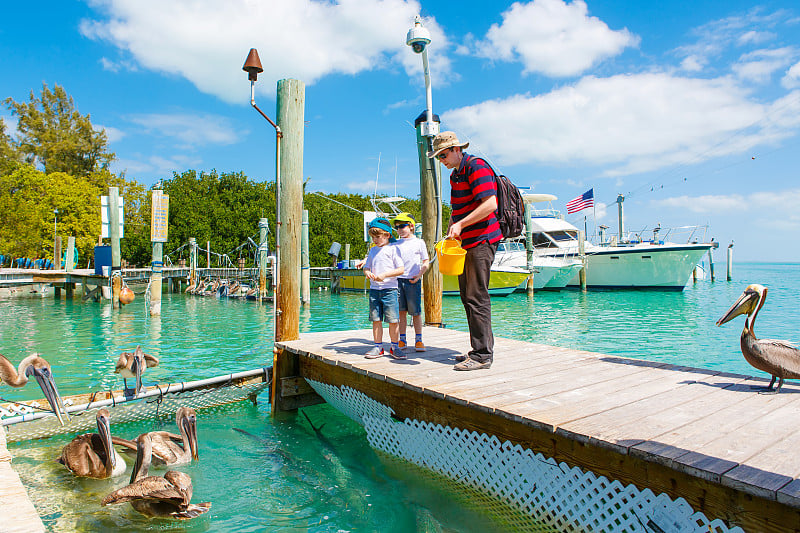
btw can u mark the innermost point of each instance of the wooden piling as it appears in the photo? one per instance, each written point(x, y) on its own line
point(711, 262)
point(113, 233)
point(730, 262)
point(582, 254)
point(155, 278)
point(208, 254)
point(305, 264)
point(291, 115)
point(193, 261)
point(56, 254)
point(347, 253)
point(69, 266)
point(529, 246)
point(429, 185)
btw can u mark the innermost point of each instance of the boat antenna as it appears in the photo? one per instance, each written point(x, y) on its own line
point(375, 194)
point(395, 175)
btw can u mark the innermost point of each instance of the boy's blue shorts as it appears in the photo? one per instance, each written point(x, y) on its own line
point(383, 306)
point(410, 296)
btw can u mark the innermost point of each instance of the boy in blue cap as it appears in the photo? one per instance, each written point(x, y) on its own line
point(382, 266)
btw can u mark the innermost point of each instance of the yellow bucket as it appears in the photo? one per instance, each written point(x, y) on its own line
point(451, 257)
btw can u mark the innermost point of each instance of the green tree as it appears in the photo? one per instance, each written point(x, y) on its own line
point(53, 134)
point(9, 157)
point(28, 198)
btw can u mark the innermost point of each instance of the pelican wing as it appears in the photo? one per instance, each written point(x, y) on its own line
point(150, 360)
point(82, 458)
point(778, 357)
point(148, 488)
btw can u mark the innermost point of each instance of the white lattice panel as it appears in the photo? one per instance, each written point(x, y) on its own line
point(557, 496)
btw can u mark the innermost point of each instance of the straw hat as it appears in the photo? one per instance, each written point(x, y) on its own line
point(445, 140)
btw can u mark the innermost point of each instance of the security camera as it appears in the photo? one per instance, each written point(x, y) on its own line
point(418, 37)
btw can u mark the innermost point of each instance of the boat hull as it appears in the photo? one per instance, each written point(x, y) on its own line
point(502, 282)
point(652, 267)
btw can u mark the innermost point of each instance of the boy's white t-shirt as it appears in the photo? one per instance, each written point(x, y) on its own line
point(413, 252)
point(382, 259)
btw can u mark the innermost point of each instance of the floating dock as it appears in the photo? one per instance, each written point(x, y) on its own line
point(698, 435)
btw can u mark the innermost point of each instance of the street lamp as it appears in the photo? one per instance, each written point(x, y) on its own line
point(55, 223)
point(252, 66)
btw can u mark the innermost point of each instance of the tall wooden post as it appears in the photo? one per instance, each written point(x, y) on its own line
point(113, 233)
point(529, 246)
point(208, 254)
point(431, 199)
point(730, 262)
point(290, 121)
point(347, 254)
point(159, 209)
point(70, 264)
point(56, 254)
point(711, 263)
point(263, 227)
point(305, 263)
point(193, 262)
point(155, 278)
point(582, 253)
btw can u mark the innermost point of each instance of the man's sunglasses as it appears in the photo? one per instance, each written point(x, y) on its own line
point(441, 156)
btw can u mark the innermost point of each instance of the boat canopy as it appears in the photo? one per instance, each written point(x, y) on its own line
point(548, 225)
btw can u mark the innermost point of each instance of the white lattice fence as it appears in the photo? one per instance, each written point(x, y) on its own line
point(558, 497)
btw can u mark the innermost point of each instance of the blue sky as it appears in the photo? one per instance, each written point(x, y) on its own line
point(691, 110)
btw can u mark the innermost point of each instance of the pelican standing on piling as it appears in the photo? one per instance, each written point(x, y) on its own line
point(92, 454)
point(157, 497)
point(132, 365)
point(776, 357)
point(169, 448)
point(36, 366)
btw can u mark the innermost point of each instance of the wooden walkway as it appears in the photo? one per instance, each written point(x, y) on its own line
point(701, 435)
point(19, 513)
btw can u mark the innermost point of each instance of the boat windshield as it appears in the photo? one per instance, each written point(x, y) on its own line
point(511, 246)
point(553, 239)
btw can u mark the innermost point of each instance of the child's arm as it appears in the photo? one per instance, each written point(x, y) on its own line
point(388, 274)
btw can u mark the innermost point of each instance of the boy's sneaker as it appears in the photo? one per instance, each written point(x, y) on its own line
point(397, 354)
point(419, 346)
point(402, 344)
point(374, 353)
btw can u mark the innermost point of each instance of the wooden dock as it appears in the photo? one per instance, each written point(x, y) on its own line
point(700, 435)
point(19, 513)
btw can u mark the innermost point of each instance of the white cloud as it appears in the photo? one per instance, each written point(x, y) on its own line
point(775, 202)
point(554, 38)
point(628, 123)
point(759, 65)
point(154, 164)
point(112, 134)
point(192, 130)
point(693, 63)
point(755, 37)
point(792, 78)
point(206, 42)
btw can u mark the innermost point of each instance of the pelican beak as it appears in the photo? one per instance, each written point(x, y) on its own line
point(190, 424)
point(104, 430)
point(744, 305)
point(46, 382)
point(137, 370)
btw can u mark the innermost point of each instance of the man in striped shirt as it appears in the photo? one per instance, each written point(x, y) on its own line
point(473, 197)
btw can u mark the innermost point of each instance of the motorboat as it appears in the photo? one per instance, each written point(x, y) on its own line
point(548, 272)
point(632, 262)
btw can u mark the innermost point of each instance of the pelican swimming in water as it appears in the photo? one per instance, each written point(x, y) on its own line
point(132, 365)
point(92, 454)
point(36, 366)
point(779, 358)
point(169, 448)
point(153, 496)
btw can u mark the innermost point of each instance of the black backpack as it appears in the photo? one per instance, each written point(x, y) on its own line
point(510, 207)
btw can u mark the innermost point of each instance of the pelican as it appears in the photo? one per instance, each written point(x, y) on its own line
point(153, 496)
point(91, 454)
point(165, 447)
point(34, 365)
point(234, 288)
point(132, 365)
point(779, 358)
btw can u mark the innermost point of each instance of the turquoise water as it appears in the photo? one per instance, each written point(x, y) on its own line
point(282, 477)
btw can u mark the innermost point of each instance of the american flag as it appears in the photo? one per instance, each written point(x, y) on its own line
point(581, 202)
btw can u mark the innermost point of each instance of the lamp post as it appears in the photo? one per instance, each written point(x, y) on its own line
point(418, 38)
point(252, 66)
point(55, 223)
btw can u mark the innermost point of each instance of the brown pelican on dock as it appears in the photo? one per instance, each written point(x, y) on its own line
point(157, 497)
point(132, 365)
point(779, 358)
point(36, 366)
point(234, 288)
point(92, 454)
point(169, 448)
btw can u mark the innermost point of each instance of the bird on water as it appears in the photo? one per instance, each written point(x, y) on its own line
point(154, 496)
point(36, 366)
point(170, 448)
point(779, 358)
point(92, 454)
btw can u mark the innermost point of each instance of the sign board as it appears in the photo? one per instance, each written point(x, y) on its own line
point(104, 217)
point(159, 217)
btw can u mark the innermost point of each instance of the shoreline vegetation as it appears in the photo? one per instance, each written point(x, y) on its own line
point(56, 160)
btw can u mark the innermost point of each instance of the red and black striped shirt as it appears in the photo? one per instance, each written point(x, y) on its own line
point(469, 184)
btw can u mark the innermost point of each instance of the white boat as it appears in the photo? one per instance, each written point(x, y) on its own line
point(548, 272)
point(634, 263)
